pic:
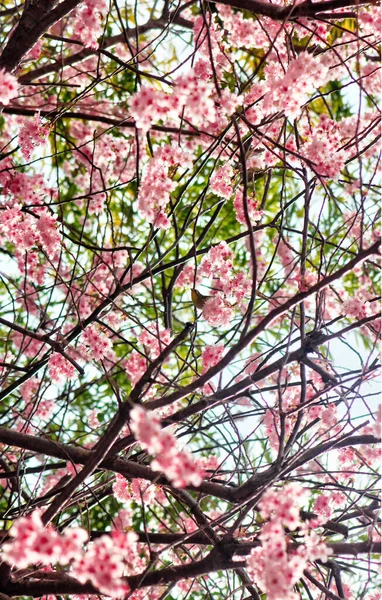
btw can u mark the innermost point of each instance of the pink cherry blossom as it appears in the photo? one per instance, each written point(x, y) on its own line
point(211, 356)
point(88, 21)
point(356, 307)
point(60, 368)
point(305, 73)
point(8, 87)
point(178, 465)
point(220, 182)
point(33, 133)
point(104, 565)
point(135, 367)
point(33, 543)
point(217, 311)
point(29, 389)
point(254, 212)
point(97, 342)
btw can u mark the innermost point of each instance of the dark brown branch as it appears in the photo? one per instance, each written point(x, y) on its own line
point(36, 19)
point(213, 562)
point(287, 13)
point(77, 455)
point(243, 548)
point(68, 585)
point(55, 115)
point(85, 53)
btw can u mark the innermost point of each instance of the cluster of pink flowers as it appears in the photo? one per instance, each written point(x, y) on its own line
point(43, 409)
point(275, 569)
point(370, 20)
point(306, 281)
point(217, 311)
point(178, 465)
point(211, 356)
point(192, 98)
point(24, 188)
point(254, 213)
point(149, 105)
point(217, 264)
point(27, 345)
point(26, 231)
point(35, 543)
point(155, 340)
point(187, 278)
point(8, 87)
point(29, 264)
point(322, 148)
point(208, 41)
point(326, 503)
point(220, 182)
point(218, 261)
point(59, 368)
point(285, 255)
point(135, 366)
point(283, 505)
point(356, 307)
point(88, 17)
point(97, 342)
point(33, 133)
point(289, 91)
point(242, 32)
point(29, 389)
point(157, 185)
point(104, 563)
point(138, 490)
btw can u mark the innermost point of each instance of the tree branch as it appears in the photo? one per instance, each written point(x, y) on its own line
point(36, 19)
point(288, 13)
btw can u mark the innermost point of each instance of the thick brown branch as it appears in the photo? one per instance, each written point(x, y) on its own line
point(213, 562)
point(67, 61)
point(69, 585)
point(36, 19)
point(287, 13)
point(54, 115)
point(80, 456)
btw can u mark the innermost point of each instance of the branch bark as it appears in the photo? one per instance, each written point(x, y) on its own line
point(36, 19)
point(68, 585)
point(288, 13)
point(77, 455)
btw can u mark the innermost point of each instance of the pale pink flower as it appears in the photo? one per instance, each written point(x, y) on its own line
point(60, 368)
point(254, 212)
point(135, 366)
point(220, 182)
point(8, 87)
point(97, 342)
point(211, 355)
point(33, 133)
point(178, 465)
point(217, 311)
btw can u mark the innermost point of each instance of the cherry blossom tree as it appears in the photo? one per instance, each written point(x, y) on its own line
point(189, 299)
